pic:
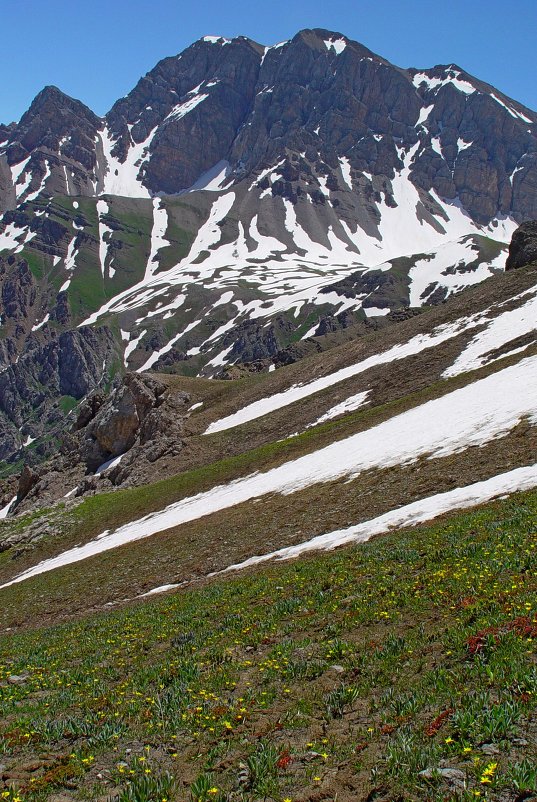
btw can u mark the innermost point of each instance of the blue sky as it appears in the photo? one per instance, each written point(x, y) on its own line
point(97, 50)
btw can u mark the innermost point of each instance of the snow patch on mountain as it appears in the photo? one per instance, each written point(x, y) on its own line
point(123, 178)
point(338, 45)
point(158, 239)
point(440, 269)
point(499, 332)
point(105, 232)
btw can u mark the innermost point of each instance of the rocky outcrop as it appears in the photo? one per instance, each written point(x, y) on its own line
point(141, 421)
point(201, 97)
point(119, 422)
point(523, 247)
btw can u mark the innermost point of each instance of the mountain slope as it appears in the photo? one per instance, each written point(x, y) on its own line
point(241, 200)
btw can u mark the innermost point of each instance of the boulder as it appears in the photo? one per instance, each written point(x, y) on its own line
point(523, 247)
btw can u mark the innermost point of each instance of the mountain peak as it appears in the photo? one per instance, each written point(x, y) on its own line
point(51, 98)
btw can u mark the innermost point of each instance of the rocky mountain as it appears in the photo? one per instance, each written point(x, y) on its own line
point(331, 235)
point(238, 202)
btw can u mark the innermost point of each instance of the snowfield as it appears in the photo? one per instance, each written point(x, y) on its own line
point(470, 416)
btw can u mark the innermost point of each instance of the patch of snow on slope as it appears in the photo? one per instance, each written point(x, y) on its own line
point(424, 114)
point(414, 346)
point(42, 323)
point(105, 232)
point(33, 195)
point(376, 311)
point(468, 417)
point(71, 255)
point(155, 356)
point(350, 404)
point(122, 178)
point(10, 238)
point(132, 345)
point(462, 145)
point(213, 179)
point(418, 512)
point(17, 171)
point(216, 40)
point(499, 331)
point(338, 45)
point(158, 240)
point(452, 77)
point(436, 145)
point(4, 512)
point(437, 268)
point(182, 109)
point(110, 463)
point(345, 167)
point(209, 234)
point(512, 112)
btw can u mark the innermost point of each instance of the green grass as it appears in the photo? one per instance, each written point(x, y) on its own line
point(342, 676)
point(67, 403)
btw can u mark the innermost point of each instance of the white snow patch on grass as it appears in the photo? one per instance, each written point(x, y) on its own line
point(499, 331)
point(350, 404)
point(273, 402)
point(468, 417)
point(105, 232)
point(158, 239)
point(418, 512)
point(37, 326)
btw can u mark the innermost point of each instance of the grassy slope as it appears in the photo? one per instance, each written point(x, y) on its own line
point(341, 677)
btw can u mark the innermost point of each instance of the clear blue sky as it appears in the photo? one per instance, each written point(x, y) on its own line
point(97, 50)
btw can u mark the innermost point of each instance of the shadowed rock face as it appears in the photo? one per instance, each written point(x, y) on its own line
point(523, 247)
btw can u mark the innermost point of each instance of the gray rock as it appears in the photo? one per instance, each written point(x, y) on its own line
point(523, 247)
point(455, 777)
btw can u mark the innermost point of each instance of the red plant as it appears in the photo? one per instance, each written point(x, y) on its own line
point(284, 759)
point(435, 725)
point(522, 626)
